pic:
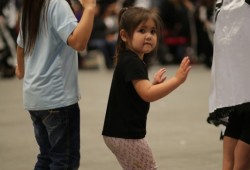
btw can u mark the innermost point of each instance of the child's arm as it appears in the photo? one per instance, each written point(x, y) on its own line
point(80, 36)
point(150, 92)
point(20, 63)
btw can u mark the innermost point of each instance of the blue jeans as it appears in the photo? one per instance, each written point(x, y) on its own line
point(57, 133)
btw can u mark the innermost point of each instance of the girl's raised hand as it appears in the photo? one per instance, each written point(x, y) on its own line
point(158, 77)
point(183, 70)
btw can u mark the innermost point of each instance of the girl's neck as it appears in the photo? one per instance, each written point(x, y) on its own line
point(141, 56)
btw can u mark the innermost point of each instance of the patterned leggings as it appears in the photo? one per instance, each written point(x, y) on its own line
point(132, 154)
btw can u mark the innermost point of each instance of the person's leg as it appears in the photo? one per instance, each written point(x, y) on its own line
point(101, 45)
point(74, 127)
point(237, 140)
point(242, 150)
point(229, 145)
point(230, 140)
point(132, 154)
point(63, 127)
point(111, 49)
point(242, 156)
point(43, 159)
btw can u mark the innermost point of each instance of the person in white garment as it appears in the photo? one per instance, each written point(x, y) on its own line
point(229, 101)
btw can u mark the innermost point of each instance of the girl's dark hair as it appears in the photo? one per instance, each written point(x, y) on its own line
point(129, 19)
point(31, 13)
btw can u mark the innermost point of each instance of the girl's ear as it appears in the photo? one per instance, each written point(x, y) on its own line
point(123, 35)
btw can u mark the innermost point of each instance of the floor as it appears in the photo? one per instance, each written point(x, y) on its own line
point(177, 130)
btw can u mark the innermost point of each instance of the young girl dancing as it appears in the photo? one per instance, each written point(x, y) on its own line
point(131, 91)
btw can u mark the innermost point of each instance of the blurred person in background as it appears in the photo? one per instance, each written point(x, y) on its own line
point(8, 34)
point(77, 8)
point(204, 17)
point(103, 37)
point(177, 16)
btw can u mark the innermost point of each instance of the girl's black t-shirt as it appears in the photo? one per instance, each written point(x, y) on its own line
point(126, 113)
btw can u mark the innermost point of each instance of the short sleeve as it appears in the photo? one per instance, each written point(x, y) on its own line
point(134, 69)
point(62, 18)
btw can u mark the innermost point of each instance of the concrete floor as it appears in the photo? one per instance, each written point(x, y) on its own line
point(177, 130)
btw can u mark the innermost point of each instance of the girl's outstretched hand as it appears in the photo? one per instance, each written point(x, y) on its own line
point(158, 77)
point(183, 70)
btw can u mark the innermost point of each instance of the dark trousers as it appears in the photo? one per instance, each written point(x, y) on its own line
point(57, 133)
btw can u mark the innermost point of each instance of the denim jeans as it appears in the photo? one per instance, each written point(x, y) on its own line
point(57, 133)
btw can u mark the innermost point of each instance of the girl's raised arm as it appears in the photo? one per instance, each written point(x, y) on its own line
point(152, 92)
point(80, 36)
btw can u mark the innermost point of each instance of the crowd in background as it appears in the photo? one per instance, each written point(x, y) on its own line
point(187, 30)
